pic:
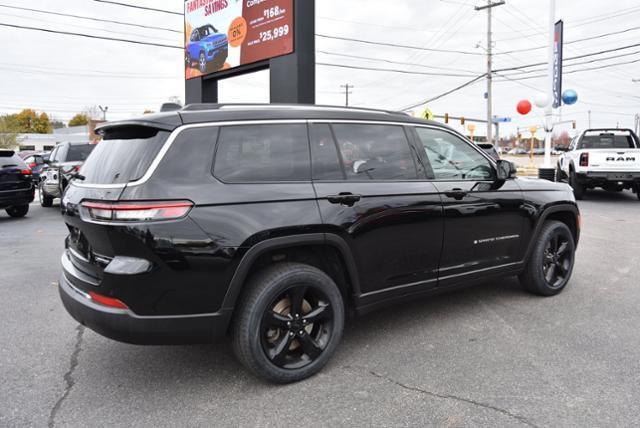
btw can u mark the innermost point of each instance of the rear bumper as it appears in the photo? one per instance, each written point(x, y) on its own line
point(609, 176)
point(16, 197)
point(51, 189)
point(125, 326)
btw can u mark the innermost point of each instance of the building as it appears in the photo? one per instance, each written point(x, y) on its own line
point(46, 142)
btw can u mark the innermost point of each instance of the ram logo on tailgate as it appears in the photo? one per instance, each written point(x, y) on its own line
point(620, 159)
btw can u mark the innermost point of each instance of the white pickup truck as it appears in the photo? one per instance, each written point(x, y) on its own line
point(606, 158)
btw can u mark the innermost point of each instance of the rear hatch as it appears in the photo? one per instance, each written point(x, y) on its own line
point(611, 151)
point(15, 176)
point(123, 156)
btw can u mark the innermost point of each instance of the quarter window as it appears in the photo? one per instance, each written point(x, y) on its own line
point(255, 153)
point(375, 152)
point(452, 158)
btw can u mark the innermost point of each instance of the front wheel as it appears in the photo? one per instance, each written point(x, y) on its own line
point(46, 201)
point(18, 210)
point(579, 189)
point(551, 262)
point(202, 63)
point(289, 322)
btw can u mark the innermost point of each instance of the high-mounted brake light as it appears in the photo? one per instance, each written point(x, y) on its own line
point(135, 211)
point(107, 301)
point(584, 159)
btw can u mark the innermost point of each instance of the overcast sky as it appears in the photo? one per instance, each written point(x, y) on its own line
point(63, 74)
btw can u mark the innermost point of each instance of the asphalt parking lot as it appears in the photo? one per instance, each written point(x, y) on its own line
point(492, 355)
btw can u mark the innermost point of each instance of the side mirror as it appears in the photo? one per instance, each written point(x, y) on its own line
point(505, 169)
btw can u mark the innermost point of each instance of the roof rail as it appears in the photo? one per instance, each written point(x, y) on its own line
point(232, 106)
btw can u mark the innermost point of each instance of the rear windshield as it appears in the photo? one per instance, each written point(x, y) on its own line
point(607, 141)
point(123, 155)
point(79, 152)
point(12, 161)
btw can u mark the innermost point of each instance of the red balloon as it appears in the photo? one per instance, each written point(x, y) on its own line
point(524, 107)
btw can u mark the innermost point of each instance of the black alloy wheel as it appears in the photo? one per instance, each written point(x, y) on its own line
point(557, 260)
point(296, 327)
point(288, 323)
point(551, 261)
point(18, 210)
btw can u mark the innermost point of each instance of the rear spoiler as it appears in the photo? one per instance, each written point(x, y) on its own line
point(7, 153)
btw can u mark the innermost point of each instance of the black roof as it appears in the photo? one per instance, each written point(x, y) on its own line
point(201, 113)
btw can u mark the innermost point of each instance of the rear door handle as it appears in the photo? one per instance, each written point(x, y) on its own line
point(456, 194)
point(344, 198)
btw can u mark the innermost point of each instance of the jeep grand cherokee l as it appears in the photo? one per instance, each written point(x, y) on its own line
point(16, 184)
point(269, 223)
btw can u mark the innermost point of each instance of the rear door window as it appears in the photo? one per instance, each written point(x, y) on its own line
point(375, 152)
point(262, 153)
point(124, 154)
point(13, 161)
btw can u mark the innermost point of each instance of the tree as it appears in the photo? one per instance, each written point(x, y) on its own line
point(8, 138)
point(30, 122)
point(57, 124)
point(147, 111)
point(79, 119)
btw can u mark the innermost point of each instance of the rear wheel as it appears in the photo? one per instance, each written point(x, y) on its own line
point(551, 261)
point(559, 174)
point(579, 189)
point(45, 200)
point(289, 322)
point(18, 210)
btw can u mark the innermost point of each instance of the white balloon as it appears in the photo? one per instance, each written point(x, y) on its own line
point(541, 100)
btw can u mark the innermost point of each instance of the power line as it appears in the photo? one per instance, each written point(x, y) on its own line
point(394, 45)
point(68, 15)
point(139, 7)
point(89, 36)
point(457, 88)
point(601, 67)
point(368, 58)
point(390, 70)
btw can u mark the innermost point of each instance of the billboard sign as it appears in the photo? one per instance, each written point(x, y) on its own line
point(223, 34)
point(557, 64)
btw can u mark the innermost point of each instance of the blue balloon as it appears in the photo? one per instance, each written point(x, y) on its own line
point(569, 97)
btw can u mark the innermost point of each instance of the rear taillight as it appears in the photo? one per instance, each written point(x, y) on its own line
point(25, 171)
point(584, 159)
point(134, 211)
point(107, 301)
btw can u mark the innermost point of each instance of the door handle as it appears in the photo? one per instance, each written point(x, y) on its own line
point(456, 194)
point(344, 198)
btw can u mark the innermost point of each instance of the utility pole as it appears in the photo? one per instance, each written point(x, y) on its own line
point(104, 112)
point(589, 119)
point(490, 5)
point(347, 92)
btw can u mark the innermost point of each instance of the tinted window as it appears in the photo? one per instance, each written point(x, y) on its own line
point(253, 153)
point(124, 154)
point(190, 158)
point(325, 164)
point(607, 141)
point(452, 158)
point(79, 152)
point(12, 161)
point(375, 152)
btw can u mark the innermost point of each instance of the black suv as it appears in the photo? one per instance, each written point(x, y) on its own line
point(16, 184)
point(271, 222)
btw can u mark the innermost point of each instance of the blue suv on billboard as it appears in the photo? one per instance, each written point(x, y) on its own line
point(208, 47)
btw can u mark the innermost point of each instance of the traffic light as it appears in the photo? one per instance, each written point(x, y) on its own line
point(462, 120)
point(446, 118)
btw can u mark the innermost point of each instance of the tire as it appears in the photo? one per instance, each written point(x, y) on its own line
point(203, 66)
point(270, 300)
point(579, 189)
point(551, 262)
point(18, 210)
point(46, 201)
point(559, 174)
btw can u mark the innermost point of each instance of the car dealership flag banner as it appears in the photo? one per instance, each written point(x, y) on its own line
point(223, 34)
point(557, 64)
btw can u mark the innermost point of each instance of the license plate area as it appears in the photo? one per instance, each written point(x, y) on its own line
point(619, 177)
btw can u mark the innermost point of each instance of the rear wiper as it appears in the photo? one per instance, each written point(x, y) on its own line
point(77, 176)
